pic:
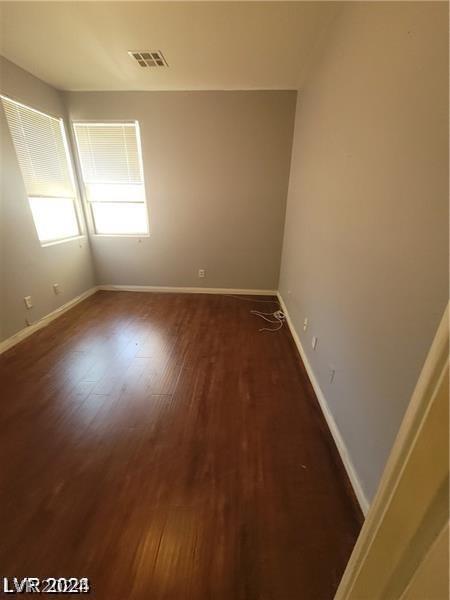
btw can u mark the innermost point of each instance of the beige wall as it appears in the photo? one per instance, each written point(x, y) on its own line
point(27, 269)
point(216, 171)
point(365, 254)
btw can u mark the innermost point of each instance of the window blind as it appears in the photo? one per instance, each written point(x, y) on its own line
point(41, 150)
point(111, 166)
point(109, 153)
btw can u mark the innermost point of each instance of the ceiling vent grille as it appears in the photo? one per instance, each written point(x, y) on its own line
point(149, 59)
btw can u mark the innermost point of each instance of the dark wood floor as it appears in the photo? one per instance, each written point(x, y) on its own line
point(163, 447)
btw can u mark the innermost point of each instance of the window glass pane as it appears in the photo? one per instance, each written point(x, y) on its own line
point(120, 218)
point(111, 192)
point(55, 218)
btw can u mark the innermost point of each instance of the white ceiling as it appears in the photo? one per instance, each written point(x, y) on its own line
point(208, 45)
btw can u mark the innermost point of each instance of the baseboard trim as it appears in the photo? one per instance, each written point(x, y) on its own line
point(185, 290)
point(338, 440)
point(27, 331)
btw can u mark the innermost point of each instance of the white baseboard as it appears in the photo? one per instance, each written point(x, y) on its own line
point(27, 331)
point(185, 290)
point(338, 440)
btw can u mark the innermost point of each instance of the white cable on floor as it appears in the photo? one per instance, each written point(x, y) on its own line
point(262, 315)
point(279, 316)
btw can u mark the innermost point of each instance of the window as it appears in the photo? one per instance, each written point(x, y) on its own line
point(111, 165)
point(41, 147)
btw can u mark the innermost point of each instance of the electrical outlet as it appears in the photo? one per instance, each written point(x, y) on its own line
point(201, 273)
point(56, 289)
point(314, 342)
point(28, 302)
point(305, 323)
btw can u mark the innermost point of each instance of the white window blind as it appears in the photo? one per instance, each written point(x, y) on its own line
point(111, 166)
point(39, 141)
point(108, 152)
point(44, 160)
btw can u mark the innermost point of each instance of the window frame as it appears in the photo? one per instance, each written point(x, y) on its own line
point(76, 200)
point(88, 203)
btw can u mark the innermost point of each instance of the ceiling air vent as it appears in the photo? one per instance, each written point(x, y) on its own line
point(149, 59)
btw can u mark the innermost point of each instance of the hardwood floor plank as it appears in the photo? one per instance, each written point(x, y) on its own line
point(162, 446)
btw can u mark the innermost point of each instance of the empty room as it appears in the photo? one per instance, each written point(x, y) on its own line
point(224, 288)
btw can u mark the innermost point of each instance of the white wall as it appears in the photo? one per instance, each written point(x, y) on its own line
point(365, 254)
point(26, 268)
point(216, 172)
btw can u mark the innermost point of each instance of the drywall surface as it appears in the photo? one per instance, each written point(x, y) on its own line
point(216, 168)
point(365, 253)
point(26, 268)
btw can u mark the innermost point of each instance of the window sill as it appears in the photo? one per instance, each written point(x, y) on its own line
point(62, 241)
point(121, 235)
